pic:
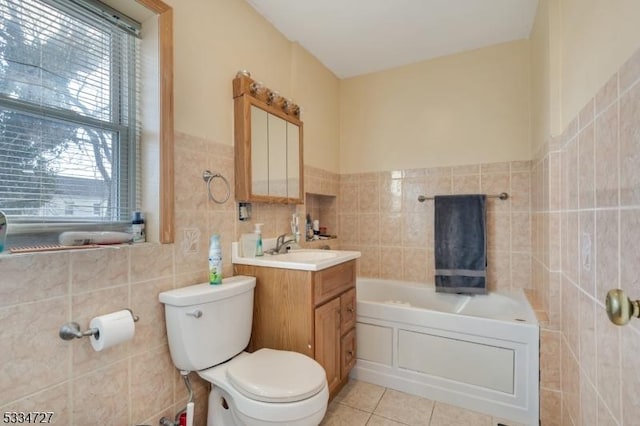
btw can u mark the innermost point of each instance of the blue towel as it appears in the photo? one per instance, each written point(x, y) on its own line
point(461, 243)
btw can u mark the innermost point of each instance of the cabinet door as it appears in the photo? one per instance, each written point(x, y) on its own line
point(348, 309)
point(327, 337)
point(348, 353)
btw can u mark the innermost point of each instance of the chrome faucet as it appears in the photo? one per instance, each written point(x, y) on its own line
point(282, 244)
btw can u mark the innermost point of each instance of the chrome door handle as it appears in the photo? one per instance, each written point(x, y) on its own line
point(196, 314)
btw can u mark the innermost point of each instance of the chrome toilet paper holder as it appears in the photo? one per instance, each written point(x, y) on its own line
point(71, 330)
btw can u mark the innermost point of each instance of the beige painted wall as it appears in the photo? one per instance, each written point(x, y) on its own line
point(317, 90)
point(576, 45)
point(546, 114)
point(213, 40)
point(467, 108)
point(597, 37)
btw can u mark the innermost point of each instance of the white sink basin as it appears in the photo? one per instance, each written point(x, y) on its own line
point(302, 259)
point(306, 255)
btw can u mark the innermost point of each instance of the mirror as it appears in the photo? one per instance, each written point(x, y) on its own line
point(268, 147)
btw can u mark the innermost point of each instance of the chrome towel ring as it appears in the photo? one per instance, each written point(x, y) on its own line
point(207, 176)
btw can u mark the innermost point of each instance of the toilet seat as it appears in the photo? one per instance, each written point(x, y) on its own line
point(259, 412)
point(271, 375)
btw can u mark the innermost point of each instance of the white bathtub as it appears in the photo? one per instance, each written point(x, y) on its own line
point(479, 352)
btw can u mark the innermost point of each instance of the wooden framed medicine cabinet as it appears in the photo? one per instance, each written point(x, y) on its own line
point(268, 145)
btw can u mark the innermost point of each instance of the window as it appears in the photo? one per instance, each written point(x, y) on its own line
point(69, 128)
point(69, 208)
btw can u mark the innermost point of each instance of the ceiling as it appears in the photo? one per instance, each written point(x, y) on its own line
point(354, 37)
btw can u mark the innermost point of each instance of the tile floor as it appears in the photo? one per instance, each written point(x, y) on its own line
point(360, 403)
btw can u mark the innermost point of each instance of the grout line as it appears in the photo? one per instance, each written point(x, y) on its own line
point(433, 410)
point(619, 247)
point(63, 383)
point(629, 88)
point(379, 400)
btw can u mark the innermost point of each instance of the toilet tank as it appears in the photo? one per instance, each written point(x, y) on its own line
point(208, 324)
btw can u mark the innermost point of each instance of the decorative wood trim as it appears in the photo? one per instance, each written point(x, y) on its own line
point(156, 6)
point(241, 85)
point(242, 148)
point(166, 131)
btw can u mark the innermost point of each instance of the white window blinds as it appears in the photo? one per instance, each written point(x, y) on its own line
point(68, 112)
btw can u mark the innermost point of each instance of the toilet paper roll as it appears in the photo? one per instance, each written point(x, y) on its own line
point(112, 329)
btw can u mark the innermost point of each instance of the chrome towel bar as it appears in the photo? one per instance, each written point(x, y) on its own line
point(502, 196)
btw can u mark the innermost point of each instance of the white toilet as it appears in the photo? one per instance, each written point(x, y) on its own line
point(208, 328)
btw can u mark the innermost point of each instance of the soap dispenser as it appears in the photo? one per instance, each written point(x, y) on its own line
point(258, 232)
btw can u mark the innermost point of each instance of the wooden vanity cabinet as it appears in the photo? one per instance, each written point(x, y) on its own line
point(313, 313)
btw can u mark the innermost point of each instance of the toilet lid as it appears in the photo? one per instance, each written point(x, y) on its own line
point(270, 375)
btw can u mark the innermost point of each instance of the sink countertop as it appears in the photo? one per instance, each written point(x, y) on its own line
point(298, 259)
